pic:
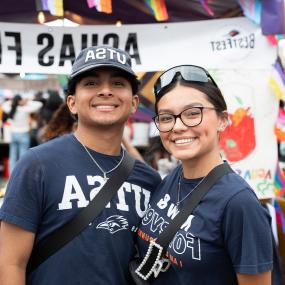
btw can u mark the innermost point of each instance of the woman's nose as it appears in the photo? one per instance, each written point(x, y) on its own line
point(179, 125)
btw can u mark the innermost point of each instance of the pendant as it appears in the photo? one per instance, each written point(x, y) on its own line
point(105, 177)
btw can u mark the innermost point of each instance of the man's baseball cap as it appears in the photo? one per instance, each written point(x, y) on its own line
point(102, 56)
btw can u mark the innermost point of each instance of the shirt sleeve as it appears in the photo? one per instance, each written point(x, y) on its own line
point(247, 234)
point(24, 195)
point(33, 106)
point(6, 106)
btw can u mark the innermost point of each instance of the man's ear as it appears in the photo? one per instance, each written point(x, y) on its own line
point(70, 101)
point(135, 103)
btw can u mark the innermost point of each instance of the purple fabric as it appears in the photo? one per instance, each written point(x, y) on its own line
point(140, 115)
point(272, 17)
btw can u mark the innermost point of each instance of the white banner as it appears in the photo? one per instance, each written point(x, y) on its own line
point(225, 43)
point(249, 143)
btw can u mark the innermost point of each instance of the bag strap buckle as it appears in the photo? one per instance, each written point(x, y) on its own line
point(153, 262)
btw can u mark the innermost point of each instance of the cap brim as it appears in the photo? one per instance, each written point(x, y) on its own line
point(91, 66)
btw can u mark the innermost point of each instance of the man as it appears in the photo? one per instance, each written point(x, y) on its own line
point(57, 179)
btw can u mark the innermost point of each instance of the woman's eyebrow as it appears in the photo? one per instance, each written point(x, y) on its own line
point(194, 104)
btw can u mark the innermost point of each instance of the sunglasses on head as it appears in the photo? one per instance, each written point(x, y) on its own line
point(189, 73)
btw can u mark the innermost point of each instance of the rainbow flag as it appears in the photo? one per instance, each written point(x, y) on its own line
point(158, 9)
point(279, 181)
point(280, 218)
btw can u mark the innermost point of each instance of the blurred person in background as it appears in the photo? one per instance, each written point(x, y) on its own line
point(159, 158)
point(51, 104)
point(19, 111)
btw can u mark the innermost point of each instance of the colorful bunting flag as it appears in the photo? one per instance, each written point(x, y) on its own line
point(42, 5)
point(272, 39)
point(251, 9)
point(206, 6)
point(91, 3)
point(55, 7)
point(275, 87)
point(104, 6)
point(272, 17)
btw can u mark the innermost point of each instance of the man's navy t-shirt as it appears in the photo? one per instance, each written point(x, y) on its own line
point(50, 185)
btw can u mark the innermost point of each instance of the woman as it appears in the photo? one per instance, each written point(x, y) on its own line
point(19, 111)
point(228, 240)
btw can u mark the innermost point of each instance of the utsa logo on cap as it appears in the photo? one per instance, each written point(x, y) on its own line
point(103, 53)
point(99, 56)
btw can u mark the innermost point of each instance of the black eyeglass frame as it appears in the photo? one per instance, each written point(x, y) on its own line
point(158, 86)
point(179, 116)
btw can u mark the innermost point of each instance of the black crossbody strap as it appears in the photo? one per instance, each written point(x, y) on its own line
point(72, 228)
point(147, 266)
point(193, 200)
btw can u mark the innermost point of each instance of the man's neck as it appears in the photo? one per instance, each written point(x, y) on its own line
point(107, 142)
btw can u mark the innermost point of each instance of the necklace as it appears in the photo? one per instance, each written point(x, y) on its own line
point(97, 164)
point(179, 189)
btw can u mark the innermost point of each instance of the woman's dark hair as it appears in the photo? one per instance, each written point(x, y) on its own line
point(60, 123)
point(15, 103)
point(212, 92)
point(72, 82)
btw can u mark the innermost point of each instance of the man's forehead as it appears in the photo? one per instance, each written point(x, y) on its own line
point(112, 71)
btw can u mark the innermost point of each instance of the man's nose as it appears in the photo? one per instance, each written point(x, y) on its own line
point(105, 89)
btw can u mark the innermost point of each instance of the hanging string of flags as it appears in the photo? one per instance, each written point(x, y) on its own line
point(268, 14)
point(156, 7)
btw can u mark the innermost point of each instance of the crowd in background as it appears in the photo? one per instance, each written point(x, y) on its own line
point(46, 116)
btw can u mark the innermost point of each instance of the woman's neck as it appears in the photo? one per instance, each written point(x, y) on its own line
point(196, 168)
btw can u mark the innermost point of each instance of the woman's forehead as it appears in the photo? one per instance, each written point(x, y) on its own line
point(183, 95)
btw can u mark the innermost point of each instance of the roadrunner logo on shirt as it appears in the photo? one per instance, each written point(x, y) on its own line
point(114, 224)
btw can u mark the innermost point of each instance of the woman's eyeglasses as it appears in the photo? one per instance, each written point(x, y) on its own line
point(189, 73)
point(190, 117)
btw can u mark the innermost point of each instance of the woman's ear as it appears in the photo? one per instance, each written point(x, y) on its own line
point(225, 121)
